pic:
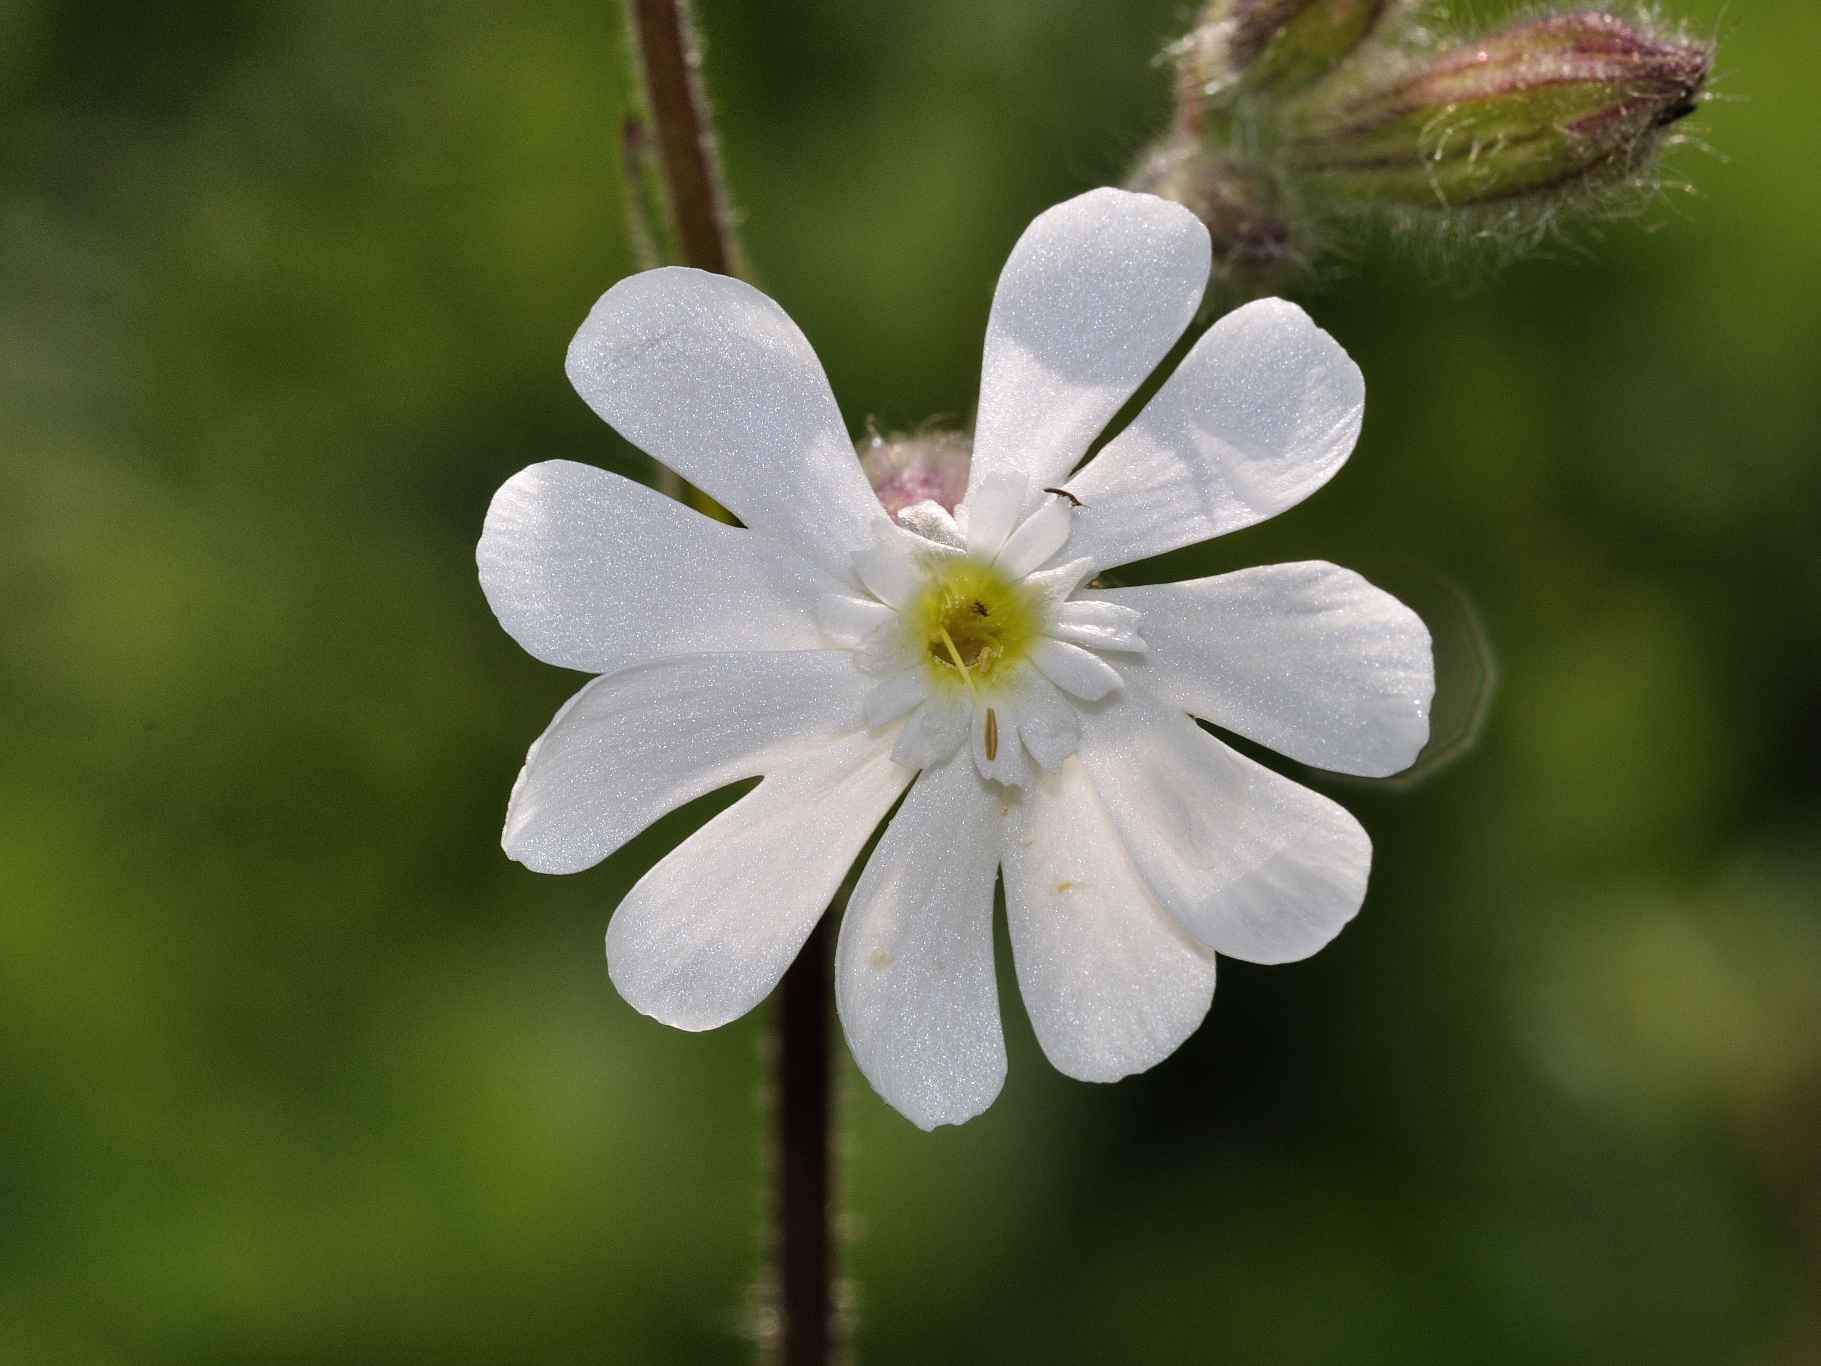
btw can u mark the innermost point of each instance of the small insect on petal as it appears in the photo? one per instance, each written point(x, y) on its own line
point(992, 735)
point(1064, 493)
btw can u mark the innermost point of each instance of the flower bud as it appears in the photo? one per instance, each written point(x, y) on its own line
point(929, 467)
point(1544, 105)
point(1274, 44)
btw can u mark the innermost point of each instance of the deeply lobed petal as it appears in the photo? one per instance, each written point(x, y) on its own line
point(1248, 862)
point(706, 934)
point(631, 746)
point(1111, 984)
point(914, 963)
point(1307, 658)
point(590, 571)
point(1261, 413)
point(1093, 296)
point(706, 374)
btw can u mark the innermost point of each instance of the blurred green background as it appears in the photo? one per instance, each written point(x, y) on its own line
point(296, 1067)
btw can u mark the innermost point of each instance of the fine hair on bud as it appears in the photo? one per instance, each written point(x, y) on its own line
point(1303, 124)
point(916, 467)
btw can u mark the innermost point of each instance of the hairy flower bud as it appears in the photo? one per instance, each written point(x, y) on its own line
point(927, 467)
point(1543, 105)
point(1272, 44)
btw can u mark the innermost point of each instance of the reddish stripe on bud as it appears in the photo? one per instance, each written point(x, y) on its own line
point(1534, 107)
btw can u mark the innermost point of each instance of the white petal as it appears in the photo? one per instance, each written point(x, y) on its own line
point(895, 696)
point(1074, 670)
point(1093, 296)
point(1248, 862)
point(1008, 763)
point(887, 650)
point(1049, 588)
point(591, 571)
point(711, 377)
point(1307, 658)
point(1261, 413)
point(993, 507)
point(846, 620)
point(934, 731)
point(1031, 716)
point(707, 933)
point(1098, 625)
point(1112, 985)
point(933, 522)
point(633, 745)
point(914, 964)
point(1040, 536)
point(1049, 725)
point(889, 566)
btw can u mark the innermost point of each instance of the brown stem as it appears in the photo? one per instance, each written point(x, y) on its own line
point(670, 60)
point(803, 1200)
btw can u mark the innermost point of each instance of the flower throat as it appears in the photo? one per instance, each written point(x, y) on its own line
point(971, 623)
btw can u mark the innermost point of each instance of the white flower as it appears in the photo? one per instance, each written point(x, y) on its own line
point(1043, 727)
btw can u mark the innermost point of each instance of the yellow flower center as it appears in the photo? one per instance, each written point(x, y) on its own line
point(972, 624)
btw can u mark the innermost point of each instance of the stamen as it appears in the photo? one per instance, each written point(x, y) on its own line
point(954, 654)
point(992, 735)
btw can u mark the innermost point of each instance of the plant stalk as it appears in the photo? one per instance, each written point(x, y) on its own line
point(699, 233)
point(803, 1168)
point(669, 60)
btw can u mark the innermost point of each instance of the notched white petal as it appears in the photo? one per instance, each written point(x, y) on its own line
point(1111, 984)
point(914, 980)
point(1037, 538)
point(710, 377)
point(691, 945)
point(1092, 297)
point(633, 745)
point(593, 572)
point(1253, 865)
point(1261, 413)
point(1307, 658)
point(1075, 670)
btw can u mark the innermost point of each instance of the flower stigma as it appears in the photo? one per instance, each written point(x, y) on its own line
point(971, 624)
